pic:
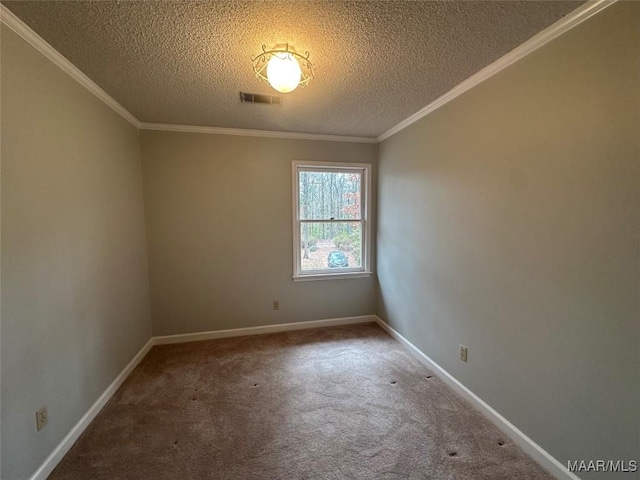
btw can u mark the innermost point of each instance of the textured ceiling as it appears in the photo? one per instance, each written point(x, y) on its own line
point(376, 62)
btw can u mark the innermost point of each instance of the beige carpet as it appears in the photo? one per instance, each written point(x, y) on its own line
point(333, 403)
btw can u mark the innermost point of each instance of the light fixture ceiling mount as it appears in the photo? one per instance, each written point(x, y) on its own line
point(283, 68)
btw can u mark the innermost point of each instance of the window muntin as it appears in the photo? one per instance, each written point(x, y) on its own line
point(331, 230)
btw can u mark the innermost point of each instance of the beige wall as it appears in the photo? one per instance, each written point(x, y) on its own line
point(218, 212)
point(508, 222)
point(75, 307)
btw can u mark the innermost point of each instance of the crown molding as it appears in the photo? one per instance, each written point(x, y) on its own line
point(35, 40)
point(563, 25)
point(255, 133)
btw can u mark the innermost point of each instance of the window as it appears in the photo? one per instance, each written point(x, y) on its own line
point(331, 229)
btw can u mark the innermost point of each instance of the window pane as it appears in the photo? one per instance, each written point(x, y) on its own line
point(330, 195)
point(330, 245)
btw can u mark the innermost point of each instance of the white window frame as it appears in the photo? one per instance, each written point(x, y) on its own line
point(365, 202)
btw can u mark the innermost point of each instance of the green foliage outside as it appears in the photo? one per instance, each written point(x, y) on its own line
point(335, 197)
point(349, 242)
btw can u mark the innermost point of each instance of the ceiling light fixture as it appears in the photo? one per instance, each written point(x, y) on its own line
point(283, 68)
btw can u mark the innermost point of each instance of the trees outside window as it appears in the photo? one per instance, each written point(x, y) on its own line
point(330, 218)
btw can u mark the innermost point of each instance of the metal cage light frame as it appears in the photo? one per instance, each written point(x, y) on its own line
point(261, 61)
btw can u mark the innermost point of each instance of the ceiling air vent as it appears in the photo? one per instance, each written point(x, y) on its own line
point(259, 98)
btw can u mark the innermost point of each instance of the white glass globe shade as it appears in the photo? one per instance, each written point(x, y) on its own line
point(283, 72)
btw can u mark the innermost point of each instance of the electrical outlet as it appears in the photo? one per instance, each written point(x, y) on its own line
point(41, 418)
point(276, 305)
point(463, 353)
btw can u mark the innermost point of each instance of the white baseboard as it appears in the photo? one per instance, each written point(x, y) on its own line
point(67, 442)
point(281, 327)
point(524, 442)
point(530, 447)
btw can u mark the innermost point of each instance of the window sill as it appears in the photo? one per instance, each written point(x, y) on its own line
point(331, 276)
